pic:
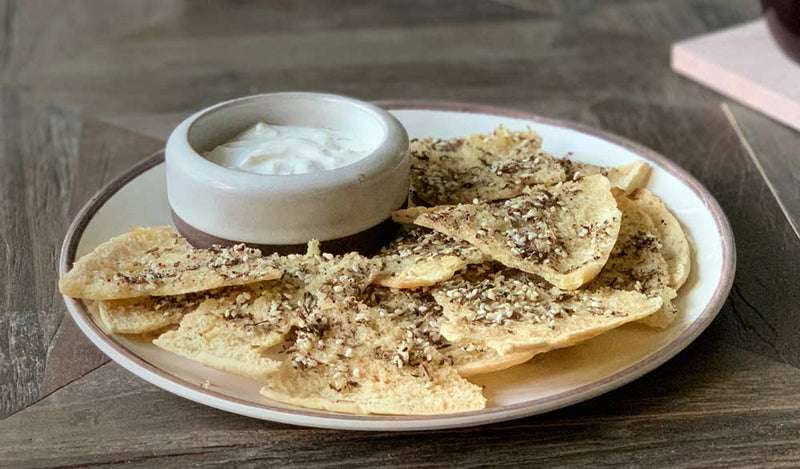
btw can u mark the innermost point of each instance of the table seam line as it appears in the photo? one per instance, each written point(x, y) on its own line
point(737, 129)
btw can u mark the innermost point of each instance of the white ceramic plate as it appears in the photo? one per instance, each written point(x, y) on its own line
point(550, 381)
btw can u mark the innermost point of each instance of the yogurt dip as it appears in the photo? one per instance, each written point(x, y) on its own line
point(288, 149)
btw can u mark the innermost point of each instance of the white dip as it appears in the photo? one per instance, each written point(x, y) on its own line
point(288, 149)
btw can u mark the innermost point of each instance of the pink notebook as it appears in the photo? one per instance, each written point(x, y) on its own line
point(745, 64)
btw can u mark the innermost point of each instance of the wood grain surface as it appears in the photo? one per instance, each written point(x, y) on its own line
point(89, 87)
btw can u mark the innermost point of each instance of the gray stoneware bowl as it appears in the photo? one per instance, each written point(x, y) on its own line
point(347, 208)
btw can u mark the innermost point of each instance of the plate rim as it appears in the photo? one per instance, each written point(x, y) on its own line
point(315, 418)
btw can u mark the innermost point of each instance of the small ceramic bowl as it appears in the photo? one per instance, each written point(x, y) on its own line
point(347, 208)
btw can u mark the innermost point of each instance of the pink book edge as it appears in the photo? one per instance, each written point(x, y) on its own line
point(737, 87)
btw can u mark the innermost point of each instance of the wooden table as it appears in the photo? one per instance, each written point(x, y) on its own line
point(90, 87)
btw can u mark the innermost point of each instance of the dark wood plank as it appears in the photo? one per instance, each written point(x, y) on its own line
point(46, 149)
point(669, 21)
point(37, 33)
point(761, 313)
point(69, 356)
point(104, 153)
point(552, 64)
point(6, 16)
point(774, 150)
point(714, 405)
point(256, 18)
point(38, 156)
point(512, 68)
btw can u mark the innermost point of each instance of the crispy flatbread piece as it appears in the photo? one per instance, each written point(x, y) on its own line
point(151, 313)
point(420, 257)
point(497, 166)
point(417, 311)
point(471, 359)
point(147, 314)
point(512, 311)
point(563, 233)
point(630, 176)
point(637, 263)
point(234, 329)
point(484, 167)
point(337, 277)
point(676, 250)
point(236, 345)
point(156, 261)
point(351, 357)
point(627, 177)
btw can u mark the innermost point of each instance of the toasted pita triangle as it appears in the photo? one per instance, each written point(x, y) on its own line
point(417, 310)
point(349, 357)
point(383, 390)
point(422, 257)
point(497, 166)
point(148, 313)
point(151, 313)
point(235, 345)
point(563, 233)
point(472, 359)
point(512, 311)
point(628, 177)
point(157, 261)
point(487, 167)
point(233, 329)
point(636, 263)
point(676, 250)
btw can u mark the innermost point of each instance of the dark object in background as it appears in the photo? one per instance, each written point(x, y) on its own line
point(783, 18)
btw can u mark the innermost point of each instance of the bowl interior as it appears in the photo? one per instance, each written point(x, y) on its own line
point(221, 123)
